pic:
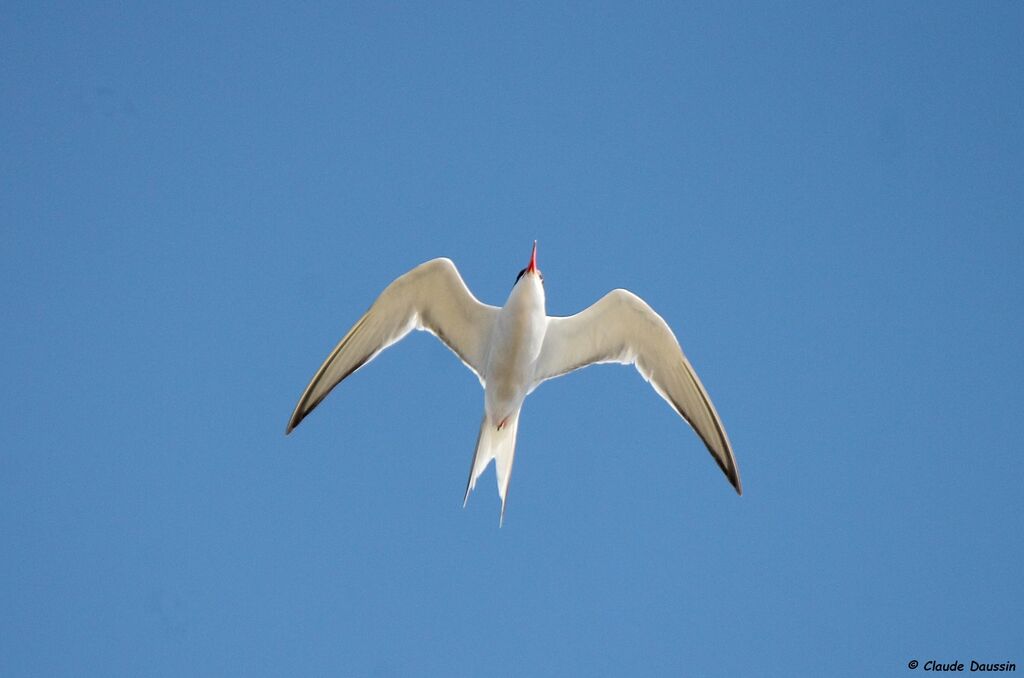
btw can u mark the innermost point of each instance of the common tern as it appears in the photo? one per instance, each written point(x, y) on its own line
point(513, 349)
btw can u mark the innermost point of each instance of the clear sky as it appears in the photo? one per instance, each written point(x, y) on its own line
point(196, 202)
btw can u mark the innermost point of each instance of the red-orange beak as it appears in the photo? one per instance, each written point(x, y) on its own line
point(532, 268)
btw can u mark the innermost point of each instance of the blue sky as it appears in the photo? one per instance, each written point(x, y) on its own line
point(196, 202)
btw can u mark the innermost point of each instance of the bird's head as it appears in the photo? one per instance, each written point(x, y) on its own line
point(529, 283)
point(531, 268)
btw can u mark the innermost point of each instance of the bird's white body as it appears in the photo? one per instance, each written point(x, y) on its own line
point(514, 348)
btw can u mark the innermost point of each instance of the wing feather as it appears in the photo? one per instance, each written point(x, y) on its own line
point(622, 328)
point(431, 297)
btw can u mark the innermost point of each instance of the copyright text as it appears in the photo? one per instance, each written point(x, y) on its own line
point(972, 666)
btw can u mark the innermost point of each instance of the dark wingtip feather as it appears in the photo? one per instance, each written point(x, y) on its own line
point(735, 480)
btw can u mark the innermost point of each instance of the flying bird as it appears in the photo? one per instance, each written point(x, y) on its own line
point(513, 349)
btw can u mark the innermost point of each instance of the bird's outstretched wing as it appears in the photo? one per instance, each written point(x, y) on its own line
point(431, 297)
point(622, 328)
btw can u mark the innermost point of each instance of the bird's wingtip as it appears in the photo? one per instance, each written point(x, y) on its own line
point(736, 484)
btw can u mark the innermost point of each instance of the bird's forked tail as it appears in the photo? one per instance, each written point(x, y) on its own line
point(499, 444)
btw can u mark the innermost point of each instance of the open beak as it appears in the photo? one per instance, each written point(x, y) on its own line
point(532, 268)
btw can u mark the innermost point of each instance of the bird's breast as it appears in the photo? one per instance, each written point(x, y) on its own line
point(515, 346)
